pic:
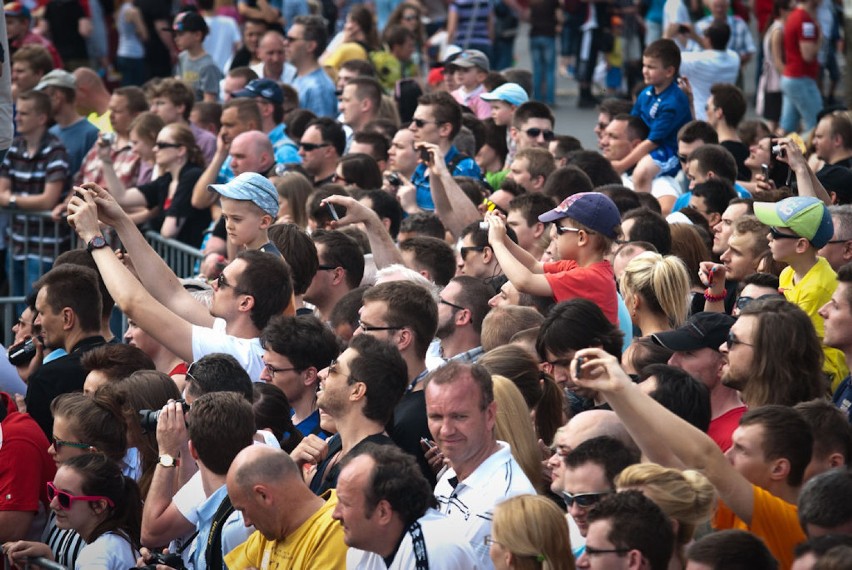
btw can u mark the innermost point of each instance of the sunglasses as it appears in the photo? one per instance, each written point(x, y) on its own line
point(58, 444)
point(733, 340)
point(534, 133)
point(781, 235)
point(490, 206)
point(743, 301)
point(65, 500)
point(420, 123)
point(583, 500)
point(159, 144)
point(311, 146)
point(565, 229)
point(370, 328)
point(222, 283)
point(464, 251)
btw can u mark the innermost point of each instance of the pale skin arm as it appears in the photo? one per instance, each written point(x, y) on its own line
point(521, 276)
point(158, 281)
point(44, 201)
point(776, 45)
point(201, 197)
point(128, 198)
point(451, 204)
point(663, 437)
point(384, 250)
point(452, 25)
point(712, 275)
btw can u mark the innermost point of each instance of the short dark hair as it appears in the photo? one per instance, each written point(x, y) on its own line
point(261, 271)
point(680, 393)
point(363, 67)
point(651, 227)
point(176, 91)
point(396, 35)
point(378, 141)
point(531, 205)
point(731, 100)
point(717, 159)
point(76, 287)
point(136, 100)
point(434, 255)
point(564, 145)
point(367, 88)
point(36, 56)
point(598, 168)
point(220, 426)
point(636, 127)
point(698, 131)
point(426, 224)
point(636, 522)
point(761, 279)
point(474, 296)
point(830, 429)
point(116, 361)
point(613, 106)
point(315, 31)
point(821, 503)
point(718, 33)
point(623, 197)
point(607, 452)
point(453, 370)
point(410, 305)
point(386, 206)
point(395, 478)
point(331, 132)
point(41, 102)
point(575, 324)
point(247, 111)
point(666, 51)
point(299, 252)
point(218, 372)
point(786, 435)
point(303, 339)
point(566, 181)
point(820, 545)
point(531, 110)
point(844, 275)
point(84, 258)
point(732, 550)
point(342, 251)
point(346, 309)
point(445, 109)
point(380, 366)
point(717, 192)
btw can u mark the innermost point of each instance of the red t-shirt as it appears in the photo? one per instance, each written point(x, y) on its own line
point(722, 428)
point(595, 282)
point(800, 27)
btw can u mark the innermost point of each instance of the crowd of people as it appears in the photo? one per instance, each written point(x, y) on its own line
point(426, 329)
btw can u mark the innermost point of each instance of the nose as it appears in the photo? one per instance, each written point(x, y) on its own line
point(492, 302)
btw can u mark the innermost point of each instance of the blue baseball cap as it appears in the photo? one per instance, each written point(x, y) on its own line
point(805, 215)
point(511, 93)
point(594, 210)
point(263, 88)
point(252, 187)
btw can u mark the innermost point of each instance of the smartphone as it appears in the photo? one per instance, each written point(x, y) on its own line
point(332, 211)
point(683, 29)
point(394, 180)
point(426, 442)
point(578, 369)
point(764, 169)
point(425, 156)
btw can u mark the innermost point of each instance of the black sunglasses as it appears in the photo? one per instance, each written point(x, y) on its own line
point(744, 301)
point(781, 235)
point(422, 123)
point(312, 146)
point(159, 144)
point(583, 500)
point(534, 133)
point(464, 251)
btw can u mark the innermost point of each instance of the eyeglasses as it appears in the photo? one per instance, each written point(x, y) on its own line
point(332, 369)
point(596, 551)
point(781, 235)
point(682, 158)
point(836, 241)
point(271, 370)
point(222, 283)
point(743, 301)
point(534, 133)
point(464, 251)
point(336, 178)
point(58, 444)
point(583, 500)
point(370, 328)
point(420, 123)
point(312, 146)
point(732, 340)
point(327, 267)
point(453, 305)
point(65, 500)
point(159, 144)
point(565, 229)
point(490, 206)
point(487, 540)
point(290, 39)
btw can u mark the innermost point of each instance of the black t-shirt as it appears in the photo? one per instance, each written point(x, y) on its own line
point(409, 425)
point(63, 17)
point(740, 152)
point(157, 55)
point(192, 221)
point(242, 58)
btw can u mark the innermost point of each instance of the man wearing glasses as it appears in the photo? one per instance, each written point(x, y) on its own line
point(306, 40)
point(321, 147)
point(589, 475)
point(437, 121)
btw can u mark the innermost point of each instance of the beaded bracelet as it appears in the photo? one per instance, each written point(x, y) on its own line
point(709, 296)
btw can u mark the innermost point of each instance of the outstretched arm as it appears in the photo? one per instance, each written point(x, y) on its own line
point(518, 265)
point(662, 436)
point(384, 250)
point(451, 204)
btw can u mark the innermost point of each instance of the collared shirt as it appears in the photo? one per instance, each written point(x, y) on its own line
point(420, 179)
point(285, 149)
point(234, 531)
point(125, 162)
point(471, 355)
point(741, 40)
point(317, 93)
point(470, 502)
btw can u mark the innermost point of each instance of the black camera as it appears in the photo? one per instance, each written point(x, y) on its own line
point(23, 352)
point(394, 179)
point(171, 560)
point(148, 418)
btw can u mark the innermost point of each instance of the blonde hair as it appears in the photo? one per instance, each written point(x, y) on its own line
point(685, 496)
point(662, 281)
point(515, 427)
point(533, 529)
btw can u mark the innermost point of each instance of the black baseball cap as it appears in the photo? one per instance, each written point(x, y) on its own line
point(702, 330)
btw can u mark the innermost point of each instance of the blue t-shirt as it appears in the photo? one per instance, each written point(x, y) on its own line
point(311, 425)
point(316, 93)
point(683, 200)
point(465, 167)
point(843, 397)
point(284, 147)
point(664, 113)
point(78, 139)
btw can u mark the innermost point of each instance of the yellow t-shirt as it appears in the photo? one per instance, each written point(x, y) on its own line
point(318, 543)
point(102, 122)
point(810, 294)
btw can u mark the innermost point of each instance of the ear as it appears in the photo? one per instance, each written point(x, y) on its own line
point(635, 560)
point(836, 460)
point(513, 132)
point(383, 513)
point(463, 317)
point(358, 391)
point(246, 303)
point(265, 221)
point(406, 339)
point(261, 493)
point(338, 275)
point(309, 376)
point(192, 452)
point(445, 130)
point(802, 245)
point(68, 318)
point(780, 468)
point(487, 254)
point(715, 218)
point(386, 222)
point(538, 230)
point(491, 416)
point(847, 250)
point(539, 182)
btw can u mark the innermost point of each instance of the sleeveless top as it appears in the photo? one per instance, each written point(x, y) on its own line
point(129, 43)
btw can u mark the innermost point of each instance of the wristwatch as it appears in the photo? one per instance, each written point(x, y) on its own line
point(13, 201)
point(96, 242)
point(168, 461)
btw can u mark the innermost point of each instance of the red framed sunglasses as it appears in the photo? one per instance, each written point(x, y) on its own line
point(67, 499)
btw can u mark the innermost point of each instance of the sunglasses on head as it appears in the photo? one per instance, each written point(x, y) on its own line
point(583, 500)
point(534, 133)
point(65, 500)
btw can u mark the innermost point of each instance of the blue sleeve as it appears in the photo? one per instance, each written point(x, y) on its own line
point(468, 167)
point(663, 124)
point(287, 153)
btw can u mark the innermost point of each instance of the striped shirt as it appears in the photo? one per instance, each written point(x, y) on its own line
point(472, 27)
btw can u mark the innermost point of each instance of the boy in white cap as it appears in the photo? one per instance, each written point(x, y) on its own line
point(470, 68)
point(249, 207)
point(504, 100)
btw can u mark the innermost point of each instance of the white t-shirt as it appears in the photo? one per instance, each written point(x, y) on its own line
point(445, 548)
point(660, 186)
point(470, 503)
point(247, 351)
point(706, 68)
point(109, 552)
point(223, 39)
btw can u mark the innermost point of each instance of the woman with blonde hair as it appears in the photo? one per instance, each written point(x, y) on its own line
point(293, 191)
point(656, 291)
point(515, 428)
point(687, 497)
point(529, 532)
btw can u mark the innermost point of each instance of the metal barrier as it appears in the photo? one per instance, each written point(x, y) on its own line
point(180, 257)
point(42, 563)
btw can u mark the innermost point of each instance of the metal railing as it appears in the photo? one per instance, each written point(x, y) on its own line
point(43, 563)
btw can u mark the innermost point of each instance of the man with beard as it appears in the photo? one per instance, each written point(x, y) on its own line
point(360, 392)
point(462, 306)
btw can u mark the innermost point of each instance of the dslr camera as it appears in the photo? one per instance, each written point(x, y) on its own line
point(171, 560)
point(148, 418)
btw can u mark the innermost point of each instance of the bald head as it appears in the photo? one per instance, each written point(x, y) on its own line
point(251, 151)
point(88, 79)
point(595, 423)
point(262, 465)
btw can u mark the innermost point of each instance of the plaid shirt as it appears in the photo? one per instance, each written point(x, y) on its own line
point(741, 40)
point(125, 162)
